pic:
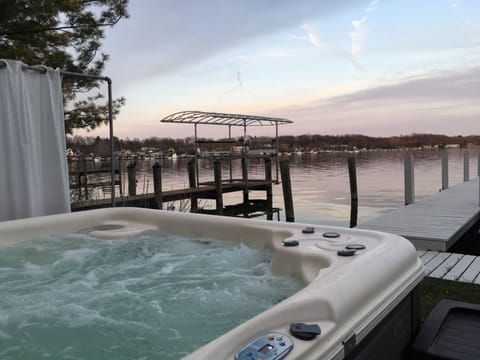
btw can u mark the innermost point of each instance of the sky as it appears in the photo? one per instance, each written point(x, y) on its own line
point(371, 67)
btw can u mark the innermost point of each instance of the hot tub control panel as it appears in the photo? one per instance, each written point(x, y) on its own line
point(270, 346)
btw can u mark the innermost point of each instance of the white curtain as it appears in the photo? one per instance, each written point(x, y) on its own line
point(33, 164)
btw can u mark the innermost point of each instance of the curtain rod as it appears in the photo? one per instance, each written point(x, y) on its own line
point(43, 69)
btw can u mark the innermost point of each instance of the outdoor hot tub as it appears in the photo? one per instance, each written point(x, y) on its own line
point(353, 290)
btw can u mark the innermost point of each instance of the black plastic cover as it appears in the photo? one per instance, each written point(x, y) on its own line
point(305, 331)
point(308, 230)
point(451, 331)
point(289, 243)
point(346, 252)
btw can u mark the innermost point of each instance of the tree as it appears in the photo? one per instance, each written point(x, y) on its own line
point(66, 34)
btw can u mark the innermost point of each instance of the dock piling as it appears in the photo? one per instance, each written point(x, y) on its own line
point(444, 157)
point(352, 172)
point(132, 180)
point(287, 190)
point(192, 181)
point(157, 184)
point(268, 177)
point(246, 200)
point(217, 170)
point(409, 180)
point(466, 165)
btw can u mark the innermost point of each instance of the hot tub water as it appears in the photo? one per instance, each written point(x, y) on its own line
point(155, 296)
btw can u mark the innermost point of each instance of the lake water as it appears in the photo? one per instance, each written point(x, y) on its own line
point(320, 183)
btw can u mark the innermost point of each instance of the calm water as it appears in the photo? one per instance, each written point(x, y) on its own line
point(320, 184)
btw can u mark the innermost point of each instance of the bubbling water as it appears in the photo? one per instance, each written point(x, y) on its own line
point(157, 296)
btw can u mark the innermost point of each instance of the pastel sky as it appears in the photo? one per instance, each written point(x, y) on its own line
point(372, 67)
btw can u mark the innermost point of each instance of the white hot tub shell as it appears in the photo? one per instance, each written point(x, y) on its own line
point(348, 297)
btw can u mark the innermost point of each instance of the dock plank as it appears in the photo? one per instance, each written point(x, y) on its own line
point(435, 262)
point(429, 256)
point(420, 253)
point(435, 222)
point(446, 266)
point(460, 268)
point(471, 273)
point(451, 266)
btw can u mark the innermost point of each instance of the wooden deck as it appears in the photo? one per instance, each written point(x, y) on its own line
point(436, 222)
point(450, 266)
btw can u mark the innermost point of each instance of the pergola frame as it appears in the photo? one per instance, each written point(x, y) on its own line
point(213, 118)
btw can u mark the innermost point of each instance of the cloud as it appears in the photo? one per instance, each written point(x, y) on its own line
point(360, 29)
point(372, 6)
point(359, 35)
point(438, 102)
point(455, 3)
point(314, 39)
point(164, 36)
point(312, 36)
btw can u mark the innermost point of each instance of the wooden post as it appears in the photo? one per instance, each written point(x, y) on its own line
point(132, 180)
point(466, 165)
point(217, 171)
point(478, 173)
point(444, 157)
point(478, 163)
point(85, 177)
point(409, 180)
point(119, 169)
point(352, 172)
point(192, 180)
point(268, 177)
point(157, 184)
point(245, 183)
point(287, 190)
point(79, 180)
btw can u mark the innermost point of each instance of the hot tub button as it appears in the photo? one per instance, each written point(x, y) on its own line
point(346, 252)
point(355, 247)
point(308, 230)
point(331, 235)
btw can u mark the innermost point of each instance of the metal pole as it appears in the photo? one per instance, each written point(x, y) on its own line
point(196, 155)
point(112, 145)
point(231, 149)
point(276, 149)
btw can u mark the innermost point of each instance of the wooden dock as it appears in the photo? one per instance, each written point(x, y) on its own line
point(436, 222)
point(207, 191)
point(451, 266)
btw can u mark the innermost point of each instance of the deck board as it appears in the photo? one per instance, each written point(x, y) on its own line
point(435, 222)
point(446, 266)
point(451, 266)
point(471, 273)
point(435, 262)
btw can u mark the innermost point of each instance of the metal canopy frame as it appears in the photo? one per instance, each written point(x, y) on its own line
point(214, 118)
point(43, 69)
